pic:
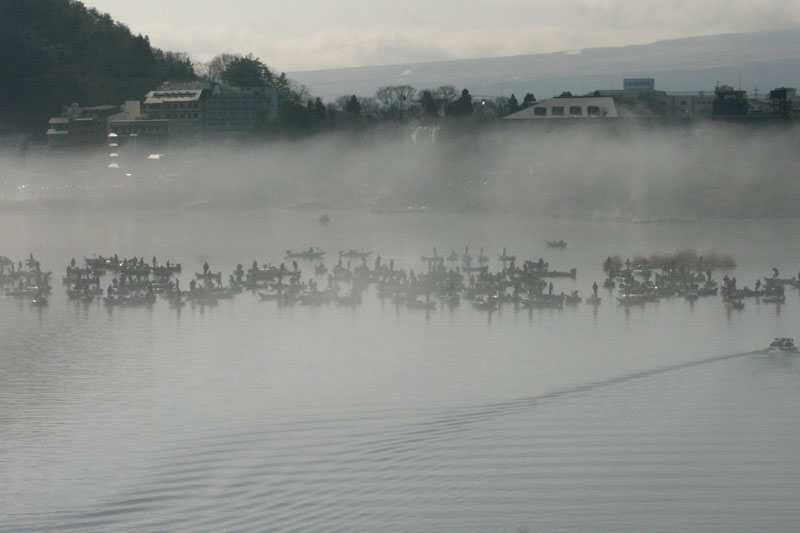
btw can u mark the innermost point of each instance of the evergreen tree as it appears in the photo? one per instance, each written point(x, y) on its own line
point(353, 106)
point(462, 106)
point(529, 100)
point(428, 103)
point(247, 71)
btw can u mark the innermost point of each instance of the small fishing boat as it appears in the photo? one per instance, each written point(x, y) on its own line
point(311, 253)
point(634, 298)
point(505, 257)
point(485, 304)
point(435, 258)
point(572, 273)
point(556, 244)
point(735, 304)
point(572, 298)
point(415, 303)
point(355, 254)
point(784, 344)
point(209, 276)
point(544, 303)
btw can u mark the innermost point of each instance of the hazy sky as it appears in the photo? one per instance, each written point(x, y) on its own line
point(315, 34)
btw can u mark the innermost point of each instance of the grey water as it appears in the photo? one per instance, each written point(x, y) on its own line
point(250, 416)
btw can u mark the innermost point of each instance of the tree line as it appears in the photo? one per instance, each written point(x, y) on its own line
point(302, 114)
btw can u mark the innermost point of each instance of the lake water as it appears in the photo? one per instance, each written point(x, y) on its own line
point(250, 416)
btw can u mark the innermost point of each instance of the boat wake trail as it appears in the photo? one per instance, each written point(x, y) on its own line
point(467, 416)
point(338, 474)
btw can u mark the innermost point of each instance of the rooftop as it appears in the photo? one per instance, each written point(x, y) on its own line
point(605, 105)
point(158, 97)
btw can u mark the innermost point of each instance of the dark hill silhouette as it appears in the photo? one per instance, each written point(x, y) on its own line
point(54, 52)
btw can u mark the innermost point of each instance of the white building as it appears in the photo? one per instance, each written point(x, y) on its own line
point(587, 108)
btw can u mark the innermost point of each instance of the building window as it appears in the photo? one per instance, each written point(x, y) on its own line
point(593, 111)
point(540, 111)
point(557, 111)
point(575, 111)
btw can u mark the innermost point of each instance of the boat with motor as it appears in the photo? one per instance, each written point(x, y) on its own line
point(557, 244)
point(784, 344)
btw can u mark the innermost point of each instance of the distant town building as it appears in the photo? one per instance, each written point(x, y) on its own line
point(639, 100)
point(730, 103)
point(144, 135)
point(185, 109)
point(80, 127)
point(239, 111)
point(688, 106)
point(638, 84)
point(203, 109)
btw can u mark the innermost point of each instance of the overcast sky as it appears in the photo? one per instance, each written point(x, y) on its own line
point(318, 34)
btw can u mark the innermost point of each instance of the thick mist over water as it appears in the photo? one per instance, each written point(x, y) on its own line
point(575, 170)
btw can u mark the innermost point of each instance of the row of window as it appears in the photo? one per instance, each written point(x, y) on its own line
point(128, 131)
point(574, 111)
point(183, 115)
point(238, 102)
point(228, 126)
point(180, 105)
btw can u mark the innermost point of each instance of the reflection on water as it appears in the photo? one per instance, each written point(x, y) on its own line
point(253, 416)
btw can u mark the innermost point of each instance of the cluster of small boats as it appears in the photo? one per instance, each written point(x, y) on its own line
point(134, 282)
point(25, 281)
point(639, 283)
point(441, 280)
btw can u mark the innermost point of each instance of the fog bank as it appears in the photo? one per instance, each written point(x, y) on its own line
point(634, 173)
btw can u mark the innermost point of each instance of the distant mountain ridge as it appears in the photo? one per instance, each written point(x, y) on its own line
point(763, 60)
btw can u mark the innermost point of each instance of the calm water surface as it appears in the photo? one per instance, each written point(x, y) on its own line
point(249, 416)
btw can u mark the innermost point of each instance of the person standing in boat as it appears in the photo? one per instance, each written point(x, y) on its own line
point(594, 289)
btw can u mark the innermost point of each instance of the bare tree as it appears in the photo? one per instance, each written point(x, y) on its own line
point(219, 64)
point(395, 98)
point(370, 107)
point(445, 95)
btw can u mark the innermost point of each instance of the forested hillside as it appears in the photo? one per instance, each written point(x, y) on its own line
point(54, 52)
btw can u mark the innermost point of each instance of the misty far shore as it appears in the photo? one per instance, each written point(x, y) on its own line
point(706, 171)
